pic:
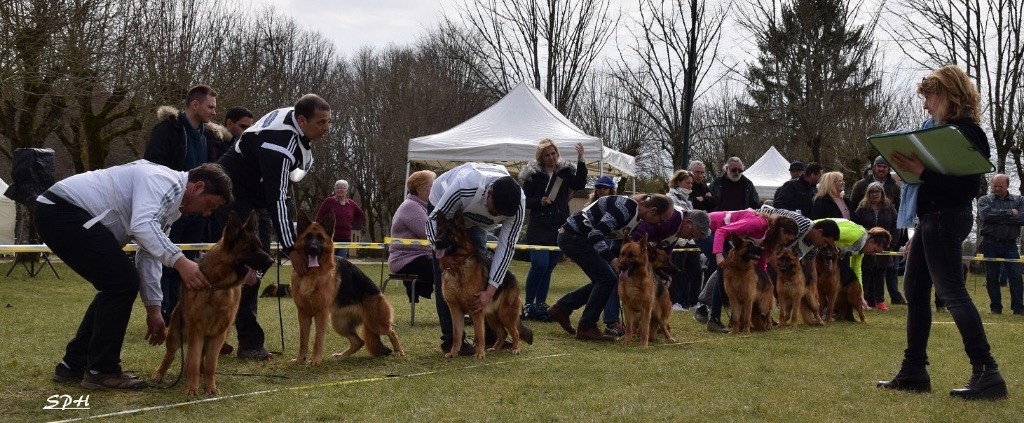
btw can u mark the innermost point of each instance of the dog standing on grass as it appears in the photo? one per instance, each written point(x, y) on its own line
point(325, 286)
point(791, 287)
point(740, 281)
point(203, 318)
point(639, 292)
point(463, 274)
point(826, 265)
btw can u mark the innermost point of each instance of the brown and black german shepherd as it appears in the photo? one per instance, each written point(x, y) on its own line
point(791, 287)
point(848, 301)
point(764, 303)
point(203, 318)
point(322, 284)
point(826, 265)
point(740, 281)
point(464, 273)
point(639, 292)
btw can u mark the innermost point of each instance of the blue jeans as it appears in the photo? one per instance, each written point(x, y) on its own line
point(342, 252)
point(593, 296)
point(935, 259)
point(538, 281)
point(1007, 250)
point(612, 308)
point(185, 230)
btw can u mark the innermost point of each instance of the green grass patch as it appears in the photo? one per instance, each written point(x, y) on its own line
point(807, 374)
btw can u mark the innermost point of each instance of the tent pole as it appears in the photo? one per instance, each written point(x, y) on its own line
point(405, 189)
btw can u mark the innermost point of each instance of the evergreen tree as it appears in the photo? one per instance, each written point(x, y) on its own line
point(812, 84)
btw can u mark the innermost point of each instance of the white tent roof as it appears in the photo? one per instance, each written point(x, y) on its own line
point(508, 133)
point(7, 216)
point(768, 173)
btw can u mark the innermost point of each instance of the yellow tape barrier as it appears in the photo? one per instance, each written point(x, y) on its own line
point(42, 248)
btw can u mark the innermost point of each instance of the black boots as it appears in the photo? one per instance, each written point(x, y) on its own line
point(985, 384)
point(908, 379)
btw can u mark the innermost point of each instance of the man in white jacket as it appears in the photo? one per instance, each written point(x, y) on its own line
point(88, 218)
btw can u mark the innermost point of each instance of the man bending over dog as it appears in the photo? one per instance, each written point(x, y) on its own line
point(487, 197)
point(88, 218)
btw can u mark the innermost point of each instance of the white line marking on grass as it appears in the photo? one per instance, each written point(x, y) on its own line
point(300, 388)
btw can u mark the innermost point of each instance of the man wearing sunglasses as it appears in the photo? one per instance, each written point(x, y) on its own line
point(733, 190)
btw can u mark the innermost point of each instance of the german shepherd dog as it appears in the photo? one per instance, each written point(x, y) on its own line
point(638, 291)
point(740, 281)
point(850, 294)
point(791, 287)
point(323, 286)
point(464, 273)
point(663, 271)
point(827, 268)
point(203, 318)
point(764, 303)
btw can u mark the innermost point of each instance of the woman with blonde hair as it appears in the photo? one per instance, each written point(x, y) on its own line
point(829, 201)
point(410, 221)
point(944, 210)
point(876, 211)
point(547, 183)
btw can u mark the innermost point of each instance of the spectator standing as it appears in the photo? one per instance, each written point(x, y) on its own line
point(798, 194)
point(876, 211)
point(733, 190)
point(547, 183)
point(686, 282)
point(1001, 218)
point(701, 196)
point(796, 169)
point(829, 201)
point(347, 215)
point(679, 189)
point(182, 140)
point(879, 172)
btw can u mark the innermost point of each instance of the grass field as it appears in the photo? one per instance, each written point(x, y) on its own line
point(807, 374)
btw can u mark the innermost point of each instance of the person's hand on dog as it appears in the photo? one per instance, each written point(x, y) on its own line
point(720, 260)
point(156, 331)
point(190, 274)
point(483, 298)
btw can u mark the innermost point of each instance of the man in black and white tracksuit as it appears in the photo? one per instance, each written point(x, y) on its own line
point(487, 197)
point(269, 156)
point(88, 218)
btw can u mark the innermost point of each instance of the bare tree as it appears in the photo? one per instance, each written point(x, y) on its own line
point(551, 45)
point(674, 44)
point(983, 36)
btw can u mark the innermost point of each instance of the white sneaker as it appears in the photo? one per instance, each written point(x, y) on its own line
point(678, 307)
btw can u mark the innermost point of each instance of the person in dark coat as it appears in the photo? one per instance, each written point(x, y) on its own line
point(875, 210)
point(733, 190)
point(182, 140)
point(700, 196)
point(547, 183)
point(829, 201)
point(798, 194)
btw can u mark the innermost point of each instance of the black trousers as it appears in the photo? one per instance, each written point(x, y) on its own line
point(687, 282)
point(250, 333)
point(96, 255)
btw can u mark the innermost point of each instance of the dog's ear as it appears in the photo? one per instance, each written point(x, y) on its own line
point(253, 222)
point(302, 221)
point(328, 223)
point(233, 228)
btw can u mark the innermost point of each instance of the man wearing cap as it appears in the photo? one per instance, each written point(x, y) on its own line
point(879, 172)
point(796, 169)
point(798, 194)
point(488, 198)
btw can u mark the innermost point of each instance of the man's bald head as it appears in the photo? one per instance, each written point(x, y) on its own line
point(1000, 185)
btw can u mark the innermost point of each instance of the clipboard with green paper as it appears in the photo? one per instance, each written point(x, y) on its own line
point(943, 149)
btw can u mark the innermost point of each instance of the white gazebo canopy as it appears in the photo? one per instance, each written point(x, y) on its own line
point(768, 173)
point(508, 132)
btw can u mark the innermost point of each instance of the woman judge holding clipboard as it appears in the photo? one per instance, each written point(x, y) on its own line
point(934, 253)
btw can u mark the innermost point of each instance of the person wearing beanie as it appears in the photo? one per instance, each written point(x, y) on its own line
point(879, 172)
point(796, 169)
point(488, 198)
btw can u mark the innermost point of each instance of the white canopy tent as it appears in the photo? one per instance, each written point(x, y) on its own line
point(508, 133)
point(7, 216)
point(768, 173)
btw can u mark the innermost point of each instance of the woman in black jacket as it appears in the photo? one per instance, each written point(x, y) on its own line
point(829, 201)
point(546, 184)
point(876, 210)
point(944, 212)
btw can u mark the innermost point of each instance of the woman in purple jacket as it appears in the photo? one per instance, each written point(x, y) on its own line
point(410, 221)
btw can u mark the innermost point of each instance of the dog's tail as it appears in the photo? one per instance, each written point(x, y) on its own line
point(374, 346)
point(525, 333)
